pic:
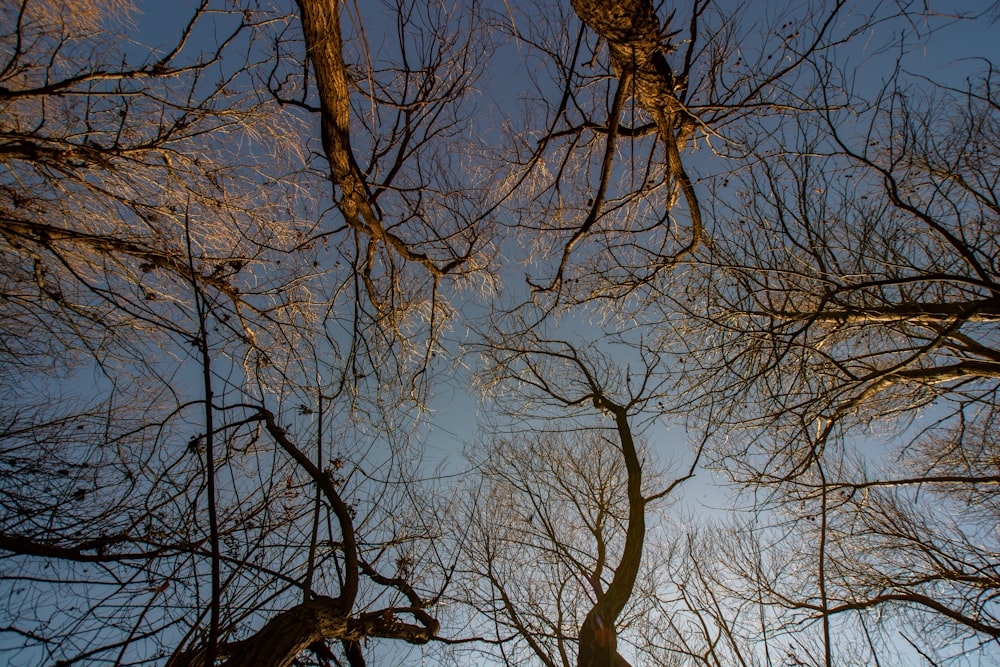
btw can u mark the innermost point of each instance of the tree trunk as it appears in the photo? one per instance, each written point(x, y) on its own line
point(598, 643)
point(282, 639)
point(286, 635)
point(636, 44)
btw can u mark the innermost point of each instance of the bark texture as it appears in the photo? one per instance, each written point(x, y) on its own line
point(638, 47)
point(301, 628)
point(321, 28)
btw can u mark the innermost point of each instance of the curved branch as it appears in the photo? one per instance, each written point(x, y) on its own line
point(349, 588)
point(606, 164)
point(324, 48)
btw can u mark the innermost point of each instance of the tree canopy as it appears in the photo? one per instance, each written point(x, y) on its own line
point(249, 249)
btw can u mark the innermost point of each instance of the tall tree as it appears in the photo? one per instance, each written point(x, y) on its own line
point(240, 261)
point(192, 365)
point(558, 540)
point(854, 305)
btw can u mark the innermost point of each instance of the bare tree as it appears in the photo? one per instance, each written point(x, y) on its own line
point(160, 237)
point(854, 304)
point(231, 268)
point(605, 190)
point(845, 289)
point(557, 540)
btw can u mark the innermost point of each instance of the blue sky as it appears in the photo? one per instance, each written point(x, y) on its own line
point(952, 52)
